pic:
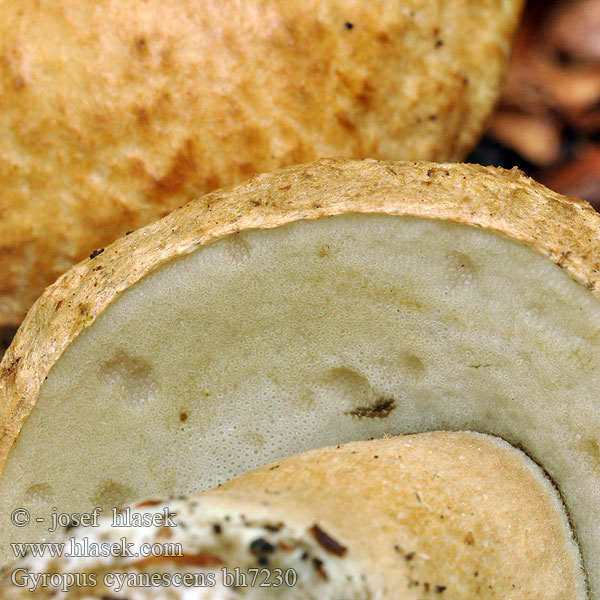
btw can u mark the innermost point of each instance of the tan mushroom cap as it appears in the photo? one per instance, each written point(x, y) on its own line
point(567, 230)
point(461, 513)
point(500, 201)
point(435, 515)
point(114, 114)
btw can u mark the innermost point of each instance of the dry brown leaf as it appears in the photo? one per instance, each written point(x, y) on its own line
point(580, 177)
point(535, 138)
point(573, 28)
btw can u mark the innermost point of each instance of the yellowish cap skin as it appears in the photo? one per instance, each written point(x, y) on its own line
point(117, 112)
point(437, 515)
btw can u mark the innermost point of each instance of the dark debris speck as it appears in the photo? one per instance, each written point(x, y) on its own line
point(260, 546)
point(327, 542)
point(380, 409)
point(70, 526)
point(318, 565)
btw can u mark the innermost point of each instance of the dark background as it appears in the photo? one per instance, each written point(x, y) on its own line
point(548, 120)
